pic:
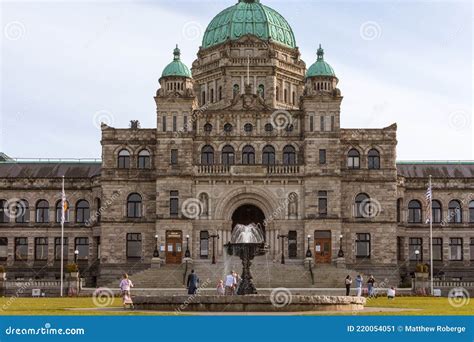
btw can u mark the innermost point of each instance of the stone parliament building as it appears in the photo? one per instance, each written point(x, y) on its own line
point(249, 134)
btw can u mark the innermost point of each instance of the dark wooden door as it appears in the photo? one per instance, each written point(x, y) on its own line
point(174, 247)
point(322, 247)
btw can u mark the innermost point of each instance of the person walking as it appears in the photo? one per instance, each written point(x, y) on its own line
point(237, 281)
point(230, 284)
point(192, 283)
point(359, 282)
point(370, 285)
point(348, 285)
point(125, 287)
point(220, 288)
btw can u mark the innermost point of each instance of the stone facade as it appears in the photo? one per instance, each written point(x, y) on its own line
point(249, 131)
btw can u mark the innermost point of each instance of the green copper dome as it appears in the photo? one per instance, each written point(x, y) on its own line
point(320, 68)
point(248, 17)
point(176, 67)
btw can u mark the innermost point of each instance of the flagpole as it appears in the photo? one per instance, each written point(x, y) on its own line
point(431, 238)
point(63, 215)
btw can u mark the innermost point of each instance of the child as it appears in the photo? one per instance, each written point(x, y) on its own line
point(125, 286)
point(391, 293)
point(220, 288)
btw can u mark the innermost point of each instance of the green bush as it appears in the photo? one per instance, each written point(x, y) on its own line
point(71, 268)
point(2, 269)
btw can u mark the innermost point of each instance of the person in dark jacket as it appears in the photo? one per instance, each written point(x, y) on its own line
point(348, 284)
point(193, 283)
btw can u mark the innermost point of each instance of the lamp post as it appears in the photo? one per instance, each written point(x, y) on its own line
point(187, 254)
point(156, 253)
point(340, 254)
point(283, 237)
point(308, 252)
point(417, 255)
point(214, 237)
point(76, 253)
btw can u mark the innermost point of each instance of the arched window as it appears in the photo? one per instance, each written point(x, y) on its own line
point(207, 155)
point(261, 91)
point(134, 206)
point(124, 159)
point(42, 211)
point(285, 96)
point(248, 155)
point(82, 211)
point(374, 159)
point(289, 155)
point(144, 159)
point(228, 128)
point(353, 159)
point(203, 98)
point(208, 128)
point(248, 128)
point(399, 210)
point(228, 155)
point(293, 98)
point(414, 211)
point(236, 90)
point(437, 211)
point(212, 96)
point(220, 93)
point(268, 128)
point(268, 156)
point(204, 199)
point(22, 211)
point(471, 211)
point(59, 211)
point(363, 207)
point(455, 212)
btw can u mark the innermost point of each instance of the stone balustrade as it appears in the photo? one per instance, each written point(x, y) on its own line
point(220, 169)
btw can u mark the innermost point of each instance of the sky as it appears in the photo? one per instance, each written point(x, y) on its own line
point(67, 65)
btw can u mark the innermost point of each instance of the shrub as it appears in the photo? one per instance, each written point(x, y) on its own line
point(71, 268)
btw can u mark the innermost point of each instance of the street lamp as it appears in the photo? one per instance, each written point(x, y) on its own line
point(340, 254)
point(187, 254)
point(308, 252)
point(214, 237)
point(76, 254)
point(417, 255)
point(283, 237)
point(156, 253)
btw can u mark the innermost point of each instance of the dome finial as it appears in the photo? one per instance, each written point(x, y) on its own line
point(320, 53)
point(177, 53)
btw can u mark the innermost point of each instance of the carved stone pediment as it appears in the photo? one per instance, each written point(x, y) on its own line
point(248, 102)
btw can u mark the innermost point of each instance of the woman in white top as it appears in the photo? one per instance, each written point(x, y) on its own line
point(125, 286)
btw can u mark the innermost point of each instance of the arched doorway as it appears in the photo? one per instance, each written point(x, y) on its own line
point(247, 214)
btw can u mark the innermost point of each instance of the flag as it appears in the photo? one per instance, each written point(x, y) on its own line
point(64, 205)
point(429, 198)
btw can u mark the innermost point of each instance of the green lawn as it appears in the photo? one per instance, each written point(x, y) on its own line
point(60, 306)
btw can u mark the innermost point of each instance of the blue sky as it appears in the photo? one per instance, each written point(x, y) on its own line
point(67, 65)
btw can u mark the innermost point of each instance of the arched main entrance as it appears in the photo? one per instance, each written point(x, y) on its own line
point(247, 214)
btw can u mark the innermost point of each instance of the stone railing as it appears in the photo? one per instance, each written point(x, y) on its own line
point(24, 288)
point(265, 170)
point(447, 283)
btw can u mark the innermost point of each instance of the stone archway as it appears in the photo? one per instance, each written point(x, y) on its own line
point(247, 214)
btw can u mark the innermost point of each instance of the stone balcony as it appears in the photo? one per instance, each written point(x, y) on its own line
point(246, 170)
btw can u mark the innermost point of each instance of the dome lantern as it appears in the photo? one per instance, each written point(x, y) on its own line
point(176, 68)
point(320, 77)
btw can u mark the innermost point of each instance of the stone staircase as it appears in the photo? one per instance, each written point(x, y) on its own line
point(265, 272)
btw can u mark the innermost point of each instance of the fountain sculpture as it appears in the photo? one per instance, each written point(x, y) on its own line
point(246, 243)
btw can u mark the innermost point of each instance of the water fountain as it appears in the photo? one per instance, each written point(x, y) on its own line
point(247, 242)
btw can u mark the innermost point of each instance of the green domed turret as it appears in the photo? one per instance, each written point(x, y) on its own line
point(320, 68)
point(176, 67)
point(249, 17)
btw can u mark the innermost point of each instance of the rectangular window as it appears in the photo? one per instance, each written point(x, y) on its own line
point(175, 123)
point(22, 212)
point(82, 246)
point(455, 249)
point(41, 249)
point(322, 126)
point(400, 253)
point(363, 245)
point(21, 249)
point(4, 218)
point(57, 248)
point(322, 203)
point(174, 203)
point(437, 249)
point(185, 123)
point(333, 124)
point(3, 248)
point(415, 244)
point(204, 244)
point(471, 249)
point(292, 244)
point(163, 122)
point(174, 157)
point(134, 246)
point(322, 157)
point(311, 123)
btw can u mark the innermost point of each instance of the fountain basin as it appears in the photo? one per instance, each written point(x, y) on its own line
point(250, 303)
